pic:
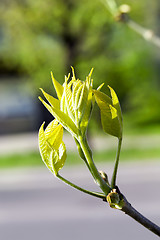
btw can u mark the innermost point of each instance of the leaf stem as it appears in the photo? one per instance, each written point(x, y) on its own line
point(114, 175)
point(81, 154)
point(94, 171)
point(95, 194)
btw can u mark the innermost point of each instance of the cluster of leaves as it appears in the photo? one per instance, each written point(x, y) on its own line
point(72, 110)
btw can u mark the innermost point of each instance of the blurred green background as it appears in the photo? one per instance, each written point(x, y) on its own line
point(37, 37)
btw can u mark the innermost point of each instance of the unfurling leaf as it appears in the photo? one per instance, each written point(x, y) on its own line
point(53, 101)
point(68, 101)
point(58, 87)
point(115, 102)
point(62, 117)
point(72, 109)
point(87, 112)
point(111, 117)
point(52, 148)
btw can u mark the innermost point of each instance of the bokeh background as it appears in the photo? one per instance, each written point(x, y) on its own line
point(37, 37)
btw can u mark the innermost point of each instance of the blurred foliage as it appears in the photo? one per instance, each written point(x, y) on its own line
point(37, 37)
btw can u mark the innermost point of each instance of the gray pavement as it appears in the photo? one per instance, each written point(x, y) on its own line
point(34, 205)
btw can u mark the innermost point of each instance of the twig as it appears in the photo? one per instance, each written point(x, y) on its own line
point(118, 201)
point(121, 14)
point(133, 213)
point(147, 34)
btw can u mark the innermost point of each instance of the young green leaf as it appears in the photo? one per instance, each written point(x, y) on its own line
point(102, 96)
point(83, 100)
point(63, 107)
point(62, 118)
point(58, 87)
point(115, 102)
point(50, 128)
point(62, 156)
point(110, 119)
point(87, 112)
point(53, 101)
point(76, 90)
point(45, 149)
point(52, 148)
point(68, 101)
point(55, 137)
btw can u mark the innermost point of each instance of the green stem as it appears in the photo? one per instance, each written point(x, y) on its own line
point(114, 175)
point(95, 194)
point(94, 171)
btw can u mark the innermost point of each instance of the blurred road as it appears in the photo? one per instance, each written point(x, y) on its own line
point(36, 206)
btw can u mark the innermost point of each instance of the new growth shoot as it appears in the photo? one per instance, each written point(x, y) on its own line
point(72, 111)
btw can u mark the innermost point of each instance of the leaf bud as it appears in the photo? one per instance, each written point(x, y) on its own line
point(104, 176)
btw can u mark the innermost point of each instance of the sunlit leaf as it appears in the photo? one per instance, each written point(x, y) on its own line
point(83, 99)
point(84, 102)
point(88, 79)
point(68, 101)
point(51, 126)
point(102, 96)
point(52, 148)
point(76, 90)
point(71, 83)
point(62, 157)
point(55, 137)
point(98, 89)
point(62, 118)
point(53, 101)
point(110, 120)
point(45, 149)
point(73, 74)
point(63, 107)
point(115, 102)
point(100, 86)
point(87, 113)
point(78, 97)
point(58, 87)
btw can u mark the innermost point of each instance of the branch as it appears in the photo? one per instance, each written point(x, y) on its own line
point(146, 33)
point(133, 213)
point(118, 201)
point(121, 14)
